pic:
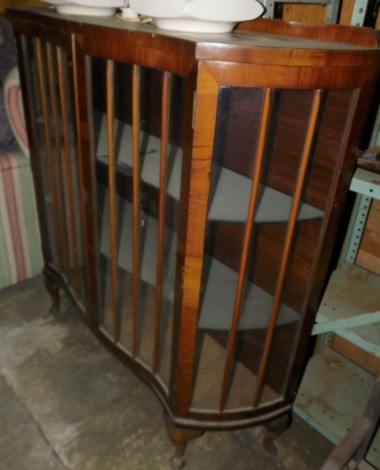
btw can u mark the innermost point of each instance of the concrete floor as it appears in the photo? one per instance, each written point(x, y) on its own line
point(67, 403)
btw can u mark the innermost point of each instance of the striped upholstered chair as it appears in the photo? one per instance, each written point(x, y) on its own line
point(20, 246)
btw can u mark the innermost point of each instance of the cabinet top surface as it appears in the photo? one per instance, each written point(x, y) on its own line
point(261, 33)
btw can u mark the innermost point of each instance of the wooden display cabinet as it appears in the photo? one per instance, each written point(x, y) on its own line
point(190, 188)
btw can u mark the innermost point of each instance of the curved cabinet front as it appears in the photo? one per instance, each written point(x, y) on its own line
point(190, 194)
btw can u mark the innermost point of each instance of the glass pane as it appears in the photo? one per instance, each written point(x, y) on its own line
point(318, 186)
point(138, 168)
point(54, 141)
point(256, 276)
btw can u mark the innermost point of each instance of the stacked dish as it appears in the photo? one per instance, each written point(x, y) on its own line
point(201, 16)
point(86, 7)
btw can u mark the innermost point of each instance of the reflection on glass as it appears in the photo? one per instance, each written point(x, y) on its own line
point(53, 138)
point(255, 275)
point(138, 139)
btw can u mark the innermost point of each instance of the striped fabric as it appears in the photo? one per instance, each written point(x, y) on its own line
point(20, 244)
point(15, 109)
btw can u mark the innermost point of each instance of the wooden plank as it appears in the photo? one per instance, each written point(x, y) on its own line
point(313, 13)
point(369, 252)
point(349, 322)
point(355, 354)
point(353, 291)
point(333, 396)
point(304, 13)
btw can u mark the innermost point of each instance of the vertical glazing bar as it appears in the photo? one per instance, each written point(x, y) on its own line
point(69, 178)
point(246, 243)
point(111, 195)
point(161, 210)
point(79, 165)
point(44, 106)
point(136, 199)
point(57, 145)
point(314, 114)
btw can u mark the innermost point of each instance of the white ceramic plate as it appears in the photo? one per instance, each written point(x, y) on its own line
point(207, 16)
point(86, 7)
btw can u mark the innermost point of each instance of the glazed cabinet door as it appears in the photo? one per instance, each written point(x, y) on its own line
point(136, 116)
point(50, 98)
point(265, 171)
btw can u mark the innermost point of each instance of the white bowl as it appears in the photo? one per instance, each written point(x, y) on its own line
point(200, 16)
point(86, 7)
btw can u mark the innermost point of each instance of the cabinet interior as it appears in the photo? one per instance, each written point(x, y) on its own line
point(208, 304)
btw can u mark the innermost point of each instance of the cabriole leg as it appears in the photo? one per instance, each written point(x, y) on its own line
point(179, 437)
point(273, 430)
point(52, 286)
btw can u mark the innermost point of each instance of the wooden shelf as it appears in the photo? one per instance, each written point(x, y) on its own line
point(350, 307)
point(334, 390)
point(366, 182)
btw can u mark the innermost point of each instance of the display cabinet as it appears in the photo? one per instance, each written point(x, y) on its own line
point(190, 188)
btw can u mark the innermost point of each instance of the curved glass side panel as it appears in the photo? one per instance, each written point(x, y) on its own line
point(269, 191)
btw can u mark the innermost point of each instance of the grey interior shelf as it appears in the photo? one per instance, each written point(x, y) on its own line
point(218, 298)
point(218, 302)
point(231, 198)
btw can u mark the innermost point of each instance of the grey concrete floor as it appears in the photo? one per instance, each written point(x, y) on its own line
point(67, 403)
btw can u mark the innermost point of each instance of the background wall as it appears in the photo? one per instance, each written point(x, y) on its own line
point(309, 13)
point(16, 3)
